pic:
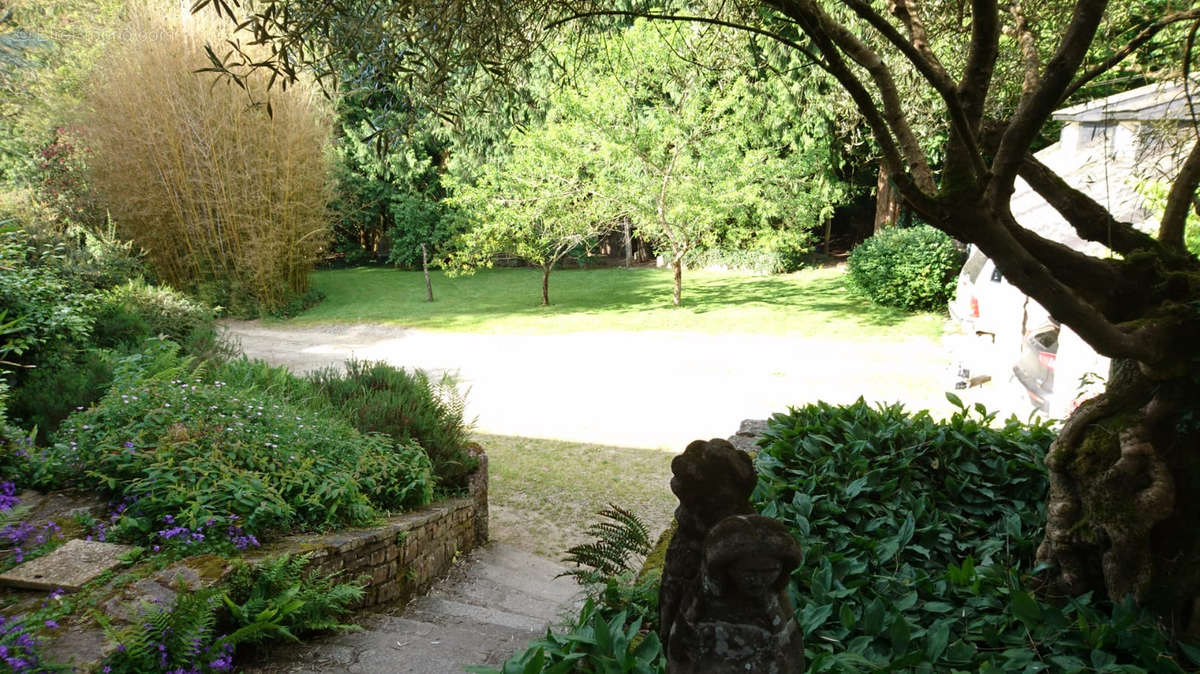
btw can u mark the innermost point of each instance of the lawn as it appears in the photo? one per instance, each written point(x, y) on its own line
point(544, 493)
point(809, 303)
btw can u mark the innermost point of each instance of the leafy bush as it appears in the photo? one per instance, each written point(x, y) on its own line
point(406, 406)
point(49, 319)
point(136, 310)
point(910, 268)
point(195, 451)
point(919, 539)
point(228, 199)
point(49, 393)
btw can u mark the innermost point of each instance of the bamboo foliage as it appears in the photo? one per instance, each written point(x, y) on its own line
point(228, 200)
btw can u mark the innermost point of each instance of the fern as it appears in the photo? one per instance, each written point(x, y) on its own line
point(279, 599)
point(167, 637)
point(620, 538)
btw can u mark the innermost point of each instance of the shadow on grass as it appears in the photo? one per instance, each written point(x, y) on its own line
point(627, 295)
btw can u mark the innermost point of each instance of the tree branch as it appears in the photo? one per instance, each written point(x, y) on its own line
point(1147, 33)
point(1170, 232)
point(1035, 107)
point(1025, 38)
point(981, 59)
point(1090, 220)
point(833, 39)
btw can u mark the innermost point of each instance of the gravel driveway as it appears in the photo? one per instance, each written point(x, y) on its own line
point(632, 389)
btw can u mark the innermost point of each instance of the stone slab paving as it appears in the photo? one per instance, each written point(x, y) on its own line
point(67, 568)
point(496, 600)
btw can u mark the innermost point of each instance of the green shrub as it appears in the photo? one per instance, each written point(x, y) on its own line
point(49, 393)
point(160, 309)
point(406, 406)
point(910, 268)
point(919, 540)
point(186, 451)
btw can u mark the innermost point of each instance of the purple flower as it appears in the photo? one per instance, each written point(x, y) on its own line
point(51, 624)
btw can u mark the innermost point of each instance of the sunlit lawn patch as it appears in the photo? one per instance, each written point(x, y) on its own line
point(810, 303)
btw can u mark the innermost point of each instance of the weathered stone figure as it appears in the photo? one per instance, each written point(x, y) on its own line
point(722, 606)
point(712, 481)
point(741, 619)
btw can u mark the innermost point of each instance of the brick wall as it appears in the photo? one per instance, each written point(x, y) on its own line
point(402, 557)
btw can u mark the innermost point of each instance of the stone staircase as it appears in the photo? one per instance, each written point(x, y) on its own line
point(493, 602)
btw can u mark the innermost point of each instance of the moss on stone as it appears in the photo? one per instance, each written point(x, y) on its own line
point(658, 555)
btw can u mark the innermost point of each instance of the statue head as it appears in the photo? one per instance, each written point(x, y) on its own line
point(712, 479)
point(751, 555)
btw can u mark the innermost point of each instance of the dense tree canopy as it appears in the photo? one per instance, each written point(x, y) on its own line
point(1122, 520)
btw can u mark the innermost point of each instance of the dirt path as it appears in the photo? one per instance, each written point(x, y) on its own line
point(631, 389)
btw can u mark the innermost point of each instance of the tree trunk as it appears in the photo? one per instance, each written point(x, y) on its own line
point(887, 200)
point(1122, 511)
point(425, 266)
point(677, 265)
point(627, 225)
point(546, 285)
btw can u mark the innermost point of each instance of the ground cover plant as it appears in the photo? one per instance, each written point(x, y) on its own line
point(186, 452)
point(919, 542)
point(810, 303)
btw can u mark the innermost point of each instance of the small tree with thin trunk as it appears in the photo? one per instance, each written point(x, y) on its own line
point(538, 204)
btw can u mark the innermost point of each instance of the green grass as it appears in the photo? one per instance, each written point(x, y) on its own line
point(544, 493)
point(810, 303)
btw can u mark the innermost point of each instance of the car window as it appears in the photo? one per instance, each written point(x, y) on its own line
point(974, 265)
point(1047, 340)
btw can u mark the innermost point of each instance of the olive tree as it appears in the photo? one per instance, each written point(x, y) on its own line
point(1122, 515)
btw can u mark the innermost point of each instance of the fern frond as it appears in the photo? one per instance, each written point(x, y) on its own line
point(620, 538)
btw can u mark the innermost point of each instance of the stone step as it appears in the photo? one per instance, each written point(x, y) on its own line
point(396, 645)
point(494, 601)
point(451, 613)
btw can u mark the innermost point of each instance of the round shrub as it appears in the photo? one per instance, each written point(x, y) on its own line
point(192, 451)
point(910, 268)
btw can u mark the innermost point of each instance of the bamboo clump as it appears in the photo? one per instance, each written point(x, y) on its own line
point(228, 201)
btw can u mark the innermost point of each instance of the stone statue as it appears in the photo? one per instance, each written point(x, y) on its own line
point(712, 481)
point(741, 619)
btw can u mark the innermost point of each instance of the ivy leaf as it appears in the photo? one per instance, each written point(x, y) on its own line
point(812, 617)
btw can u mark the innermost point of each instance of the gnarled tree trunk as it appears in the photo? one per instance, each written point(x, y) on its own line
point(1124, 516)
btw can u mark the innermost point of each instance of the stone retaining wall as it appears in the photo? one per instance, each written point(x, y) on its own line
point(405, 555)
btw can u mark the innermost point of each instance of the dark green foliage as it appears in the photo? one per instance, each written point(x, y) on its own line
point(407, 407)
point(167, 637)
point(280, 598)
point(276, 599)
point(919, 539)
point(909, 268)
point(196, 449)
point(593, 643)
point(49, 393)
point(621, 537)
point(136, 309)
